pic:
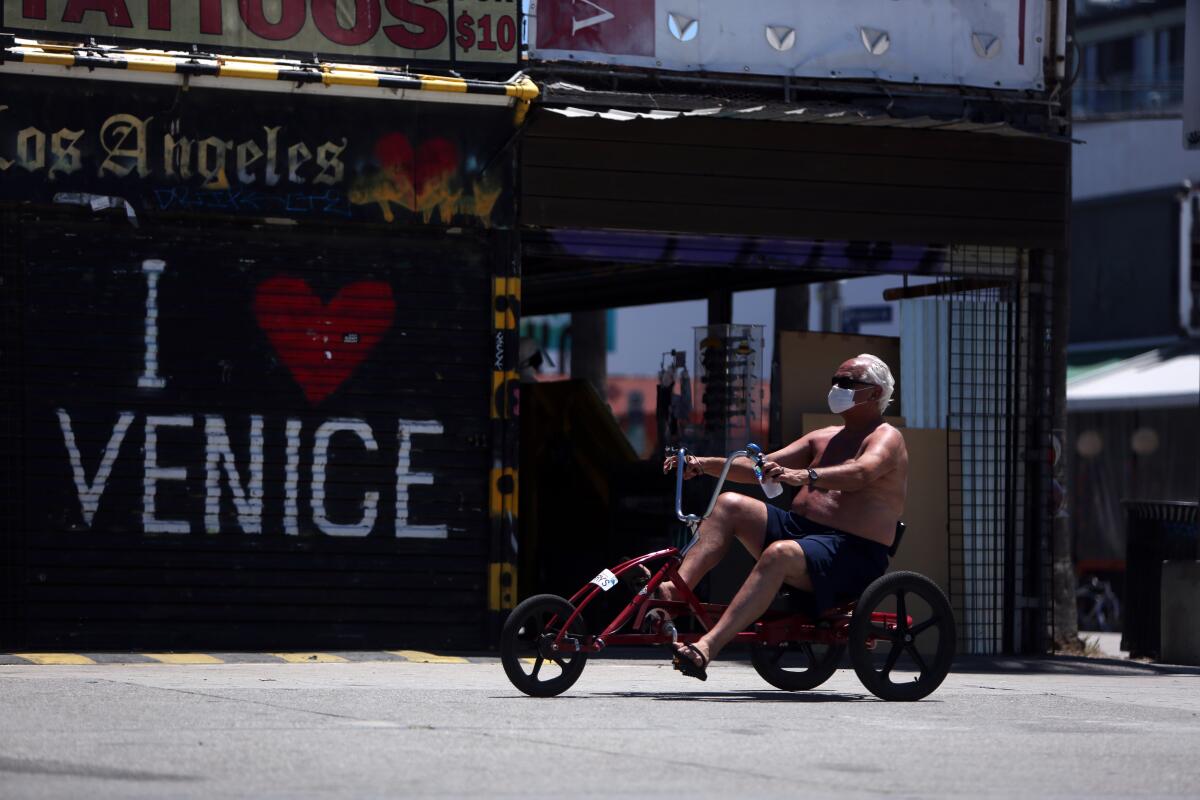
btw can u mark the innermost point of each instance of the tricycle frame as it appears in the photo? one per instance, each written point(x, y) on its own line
point(775, 627)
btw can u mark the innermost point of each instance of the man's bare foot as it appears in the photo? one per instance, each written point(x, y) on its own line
point(666, 591)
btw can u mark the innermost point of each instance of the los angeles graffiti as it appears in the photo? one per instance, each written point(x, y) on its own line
point(321, 344)
point(266, 173)
point(126, 144)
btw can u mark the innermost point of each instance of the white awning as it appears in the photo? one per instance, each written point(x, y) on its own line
point(1165, 378)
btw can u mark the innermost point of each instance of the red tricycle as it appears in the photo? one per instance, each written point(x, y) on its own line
point(900, 631)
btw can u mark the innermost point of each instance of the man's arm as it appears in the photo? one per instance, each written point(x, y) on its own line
point(742, 470)
point(798, 454)
point(878, 459)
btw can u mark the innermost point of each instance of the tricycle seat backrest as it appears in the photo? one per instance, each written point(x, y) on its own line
point(900, 526)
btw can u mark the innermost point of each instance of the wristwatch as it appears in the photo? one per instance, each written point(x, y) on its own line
point(812, 476)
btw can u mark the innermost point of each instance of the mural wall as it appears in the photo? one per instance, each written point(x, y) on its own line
point(260, 407)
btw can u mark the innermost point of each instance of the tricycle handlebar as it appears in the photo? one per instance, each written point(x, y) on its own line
point(681, 457)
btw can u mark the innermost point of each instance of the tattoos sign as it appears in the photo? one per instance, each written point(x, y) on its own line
point(461, 33)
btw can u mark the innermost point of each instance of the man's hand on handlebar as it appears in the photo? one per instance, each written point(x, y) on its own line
point(690, 470)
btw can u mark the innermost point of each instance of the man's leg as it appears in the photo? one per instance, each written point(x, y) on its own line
point(781, 562)
point(734, 517)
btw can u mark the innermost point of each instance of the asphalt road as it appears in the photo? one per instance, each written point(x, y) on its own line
point(632, 728)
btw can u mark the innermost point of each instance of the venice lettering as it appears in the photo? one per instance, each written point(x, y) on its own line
point(299, 323)
point(222, 474)
point(126, 145)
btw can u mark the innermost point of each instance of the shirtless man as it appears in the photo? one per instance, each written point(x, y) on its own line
point(834, 541)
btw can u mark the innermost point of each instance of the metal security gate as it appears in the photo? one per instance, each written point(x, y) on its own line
point(986, 380)
point(244, 437)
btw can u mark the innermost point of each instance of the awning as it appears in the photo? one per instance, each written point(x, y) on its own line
point(824, 113)
point(1085, 362)
point(574, 101)
point(1168, 377)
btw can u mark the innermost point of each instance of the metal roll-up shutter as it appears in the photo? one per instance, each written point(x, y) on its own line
point(245, 438)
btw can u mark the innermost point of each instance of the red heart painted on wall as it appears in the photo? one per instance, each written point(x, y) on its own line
point(433, 162)
point(323, 343)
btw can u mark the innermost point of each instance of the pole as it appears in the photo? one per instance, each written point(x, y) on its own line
point(589, 349)
point(1065, 621)
point(791, 314)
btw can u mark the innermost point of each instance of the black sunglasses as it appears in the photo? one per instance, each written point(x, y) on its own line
point(848, 383)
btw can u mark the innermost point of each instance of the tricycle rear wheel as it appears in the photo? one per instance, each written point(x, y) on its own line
point(796, 666)
point(907, 660)
point(526, 643)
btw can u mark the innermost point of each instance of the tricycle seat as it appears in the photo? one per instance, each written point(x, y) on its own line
point(900, 526)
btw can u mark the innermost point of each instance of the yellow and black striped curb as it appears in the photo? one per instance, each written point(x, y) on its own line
point(520, 88)
point(327, 657)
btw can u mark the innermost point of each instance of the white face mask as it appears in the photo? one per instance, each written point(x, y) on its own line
point(841, 400)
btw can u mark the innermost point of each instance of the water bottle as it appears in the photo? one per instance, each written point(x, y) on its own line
point(771, 487)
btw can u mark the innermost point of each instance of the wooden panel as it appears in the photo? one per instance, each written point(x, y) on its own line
point(248, 438)
point(794, 180)
point(926, 546)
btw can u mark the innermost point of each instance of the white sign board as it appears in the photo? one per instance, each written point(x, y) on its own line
point(1191, 77)
point(986, 43)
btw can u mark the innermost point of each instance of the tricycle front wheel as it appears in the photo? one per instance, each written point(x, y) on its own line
point(527, 646)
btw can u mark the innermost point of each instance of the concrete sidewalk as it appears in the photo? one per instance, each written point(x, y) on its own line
point(1107, 642)
point(1050, 727)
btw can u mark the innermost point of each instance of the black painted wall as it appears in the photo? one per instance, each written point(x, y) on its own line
point(147, 360)
point(248, 348)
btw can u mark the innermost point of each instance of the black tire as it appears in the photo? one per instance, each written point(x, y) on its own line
point(796, 666)
point(527, 634)
point(918, 657)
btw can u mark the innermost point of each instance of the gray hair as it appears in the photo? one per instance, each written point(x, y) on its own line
point(878, 373)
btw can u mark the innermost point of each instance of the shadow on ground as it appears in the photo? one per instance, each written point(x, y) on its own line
point(965, 664)
point(773, 696)
point(768, 696)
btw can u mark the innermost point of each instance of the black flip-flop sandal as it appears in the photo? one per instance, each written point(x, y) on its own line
point(689, 667)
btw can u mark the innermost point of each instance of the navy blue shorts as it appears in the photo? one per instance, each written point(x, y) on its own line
point(840, 564)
